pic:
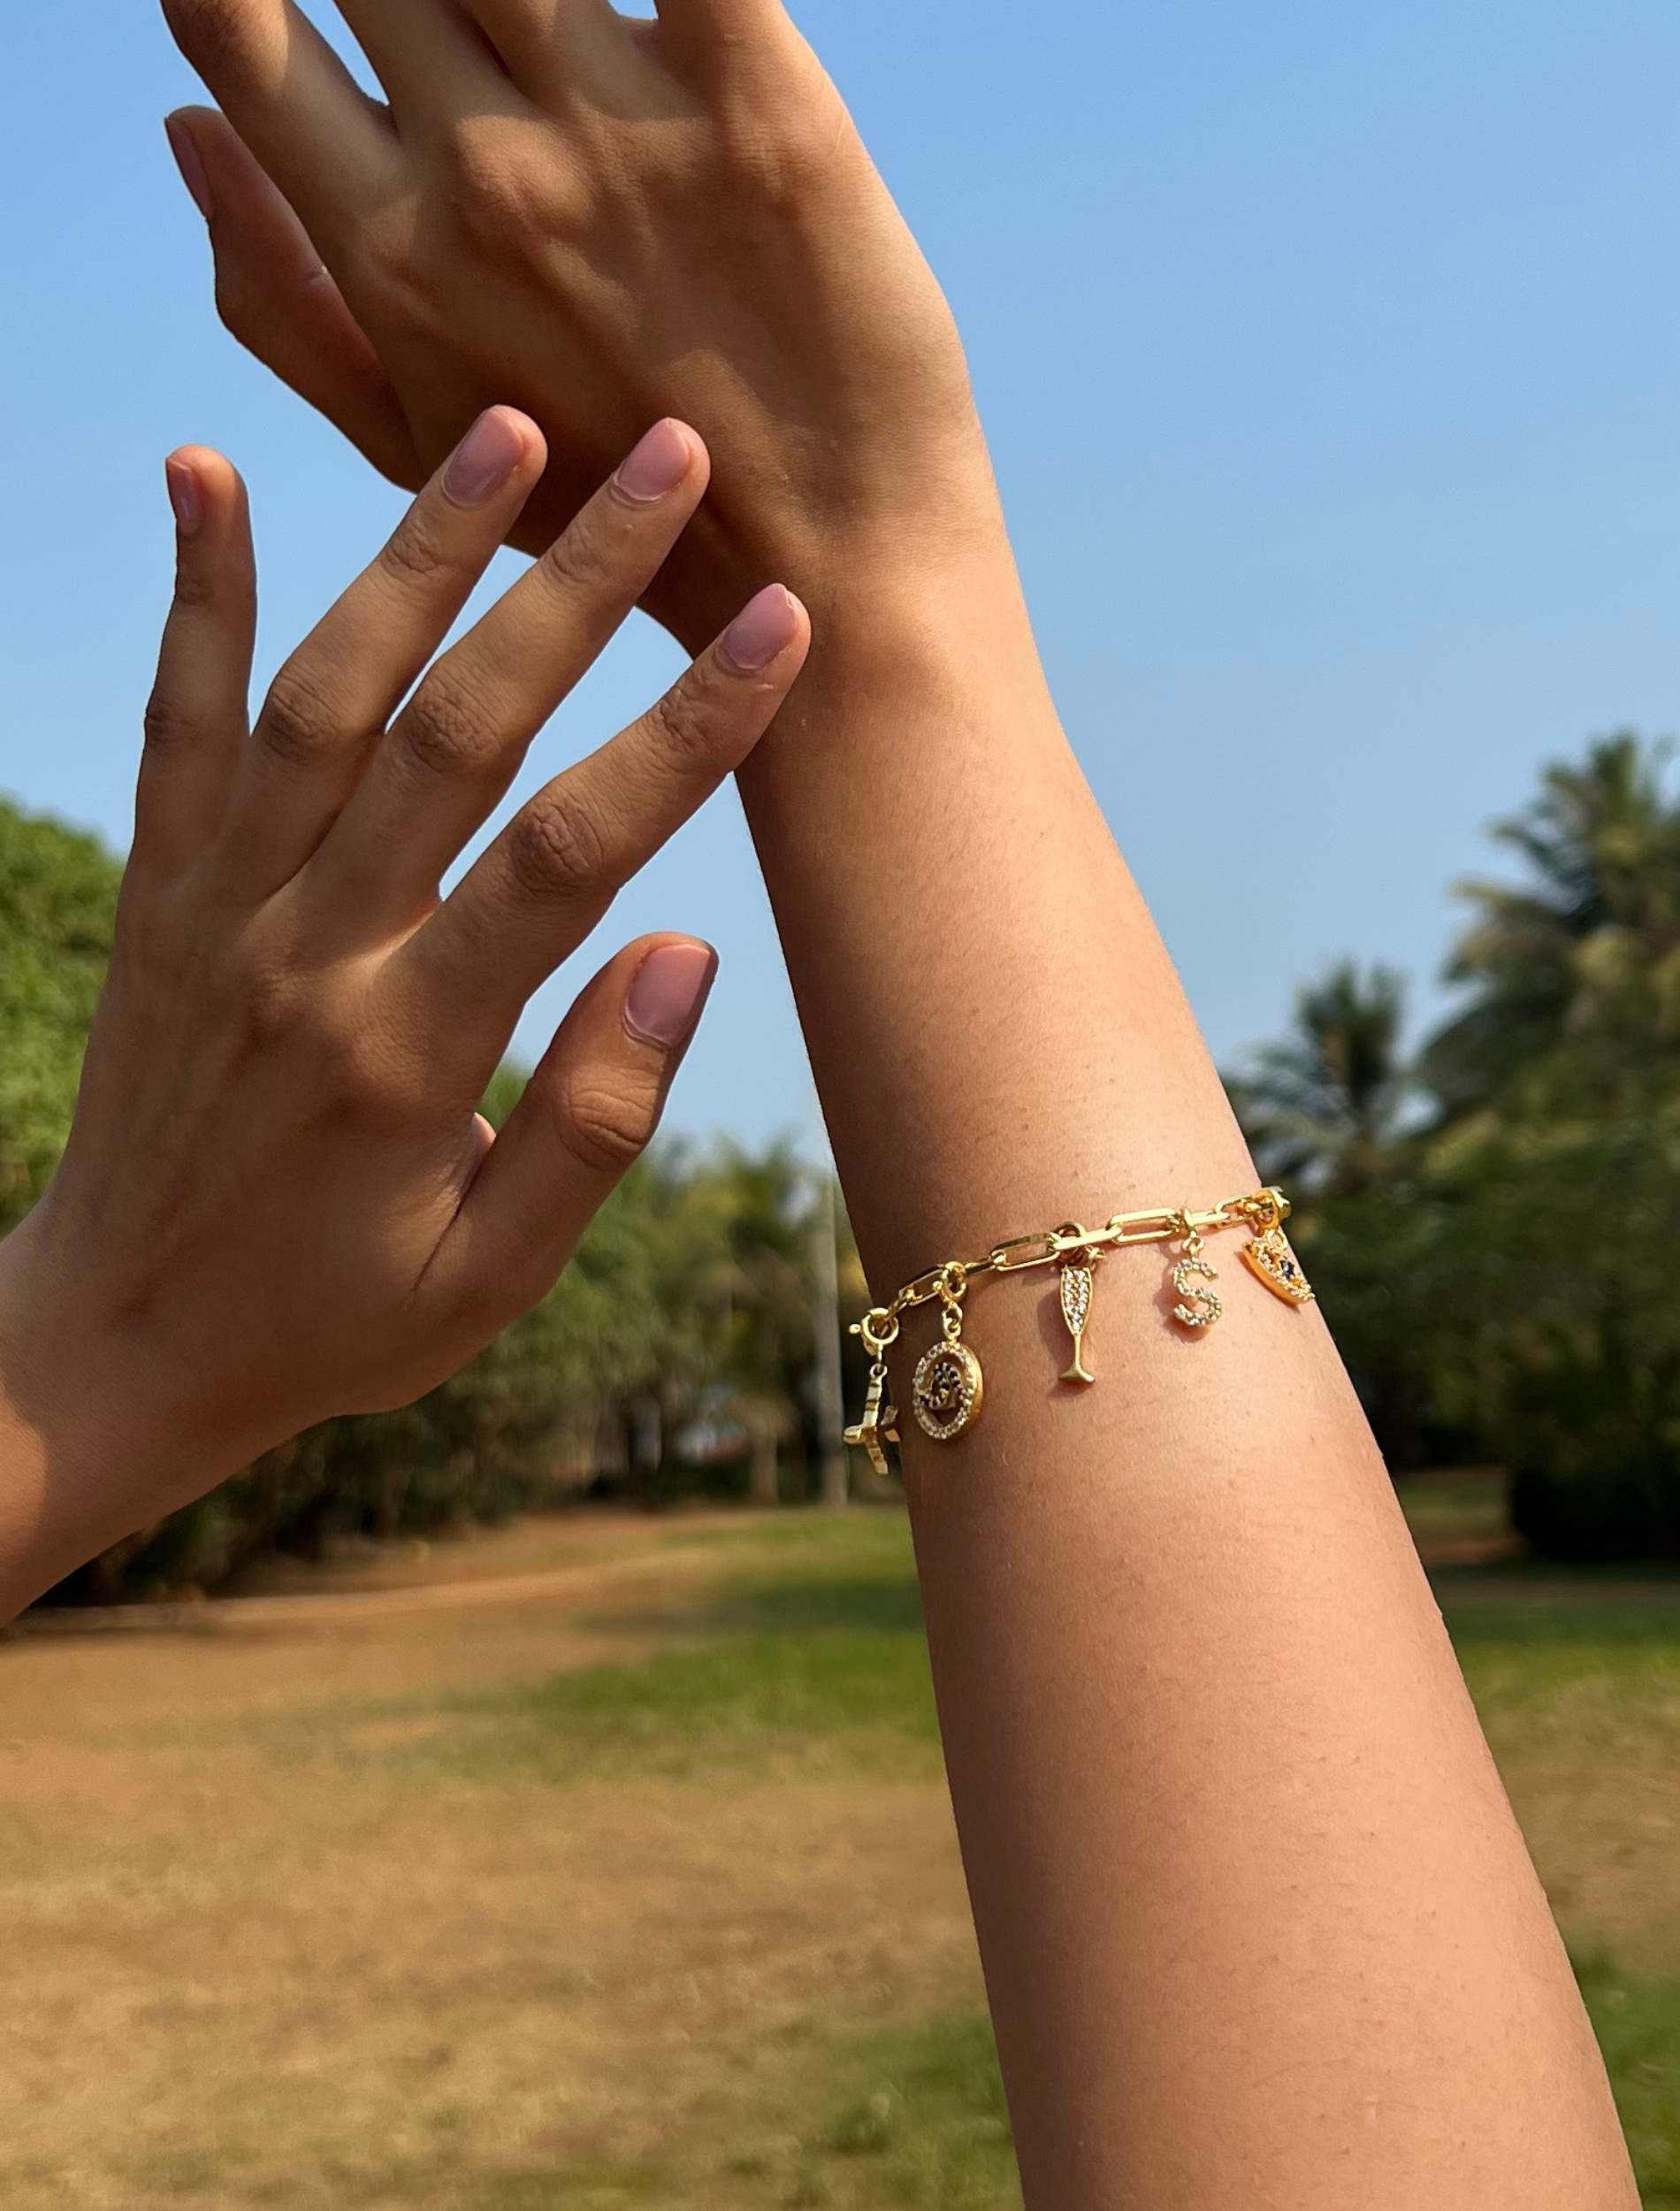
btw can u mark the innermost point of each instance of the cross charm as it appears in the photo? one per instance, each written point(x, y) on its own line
point(879, 1419)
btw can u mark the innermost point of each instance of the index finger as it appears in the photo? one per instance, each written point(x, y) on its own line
point(332, 150)
point(552, 874)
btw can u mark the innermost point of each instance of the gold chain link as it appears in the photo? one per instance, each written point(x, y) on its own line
point(1158, 1224)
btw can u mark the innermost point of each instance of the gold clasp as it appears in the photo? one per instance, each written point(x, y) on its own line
point(879, 1329)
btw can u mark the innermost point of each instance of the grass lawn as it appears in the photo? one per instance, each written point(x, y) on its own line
point(642, 1898)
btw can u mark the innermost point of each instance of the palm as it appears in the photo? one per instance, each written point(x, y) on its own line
point(1322, 1110)
point(1588, 947)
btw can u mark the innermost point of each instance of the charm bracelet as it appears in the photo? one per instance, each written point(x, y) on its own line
point(950, 1387)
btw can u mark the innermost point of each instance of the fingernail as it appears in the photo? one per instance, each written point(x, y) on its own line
point(191, 167)
point(486, 458)
point(658, 465)
point(669, 990)
point(764, 627)
point(185, 497)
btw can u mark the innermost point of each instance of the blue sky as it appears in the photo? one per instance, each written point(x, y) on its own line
point(1331, 363)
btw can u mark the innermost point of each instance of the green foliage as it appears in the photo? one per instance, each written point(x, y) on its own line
point(1498, 1259)
point(1574, 973)
point(1323, 1108)
point(691, 1294)
point(58, 909)
point(687, 1296)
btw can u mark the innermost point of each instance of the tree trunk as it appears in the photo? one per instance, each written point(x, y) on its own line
point(829, 1394)
point(766, 1486)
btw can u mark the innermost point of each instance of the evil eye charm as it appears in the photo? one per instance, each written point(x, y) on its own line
point(946, 1395)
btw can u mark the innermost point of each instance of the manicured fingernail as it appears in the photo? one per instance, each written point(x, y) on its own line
point(185, 497)
point(192, 168)
point(764, 627)
point(486, 458)
point(658, 465)
point(669, 990)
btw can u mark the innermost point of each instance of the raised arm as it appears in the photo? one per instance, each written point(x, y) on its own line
point(1257, 1925)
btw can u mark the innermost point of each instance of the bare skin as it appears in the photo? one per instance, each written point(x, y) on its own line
point(1258, 1927)
point(279, 1201)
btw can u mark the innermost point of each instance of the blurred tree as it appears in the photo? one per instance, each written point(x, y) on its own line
point(1585, 951)
point(1512, 1276)
point(1322, 1110)
point(58, 909)
point(768, 1350)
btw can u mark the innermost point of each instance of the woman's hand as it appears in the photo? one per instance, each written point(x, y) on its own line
point(611, 220)
point(278, 1202)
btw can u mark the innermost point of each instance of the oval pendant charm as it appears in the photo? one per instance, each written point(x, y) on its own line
point(946, 1395)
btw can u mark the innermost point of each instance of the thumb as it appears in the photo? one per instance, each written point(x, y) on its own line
point(277, 297)
point(587, 1113)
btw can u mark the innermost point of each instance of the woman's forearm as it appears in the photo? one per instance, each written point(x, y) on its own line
point(1257, 1924)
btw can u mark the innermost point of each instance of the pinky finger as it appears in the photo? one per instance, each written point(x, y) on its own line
point(196, 721)
point(587, 1114)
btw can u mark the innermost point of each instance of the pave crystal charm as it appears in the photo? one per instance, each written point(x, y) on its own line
point(1076, 1313)
point(1270, 1261)
point(946, 1395)
point(1196, 1308)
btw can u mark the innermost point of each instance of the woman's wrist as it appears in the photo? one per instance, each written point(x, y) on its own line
point(86, 1457)
point(903, 552)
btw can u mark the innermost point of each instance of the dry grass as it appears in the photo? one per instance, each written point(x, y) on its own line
point(280, 1929)
point(644, 1894)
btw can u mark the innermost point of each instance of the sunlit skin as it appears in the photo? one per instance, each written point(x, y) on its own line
point(1258, 1927)
point(279, 1201)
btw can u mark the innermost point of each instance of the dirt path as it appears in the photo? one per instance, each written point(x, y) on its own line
point(257, 1956)
point(343, 1608)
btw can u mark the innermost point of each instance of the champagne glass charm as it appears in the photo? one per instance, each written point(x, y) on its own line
point(1078, 1286)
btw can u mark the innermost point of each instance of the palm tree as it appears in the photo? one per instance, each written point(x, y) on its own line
point(1588, 946)
point(1324, 1109)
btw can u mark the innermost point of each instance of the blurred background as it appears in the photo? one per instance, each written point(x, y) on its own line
point(486, 1805)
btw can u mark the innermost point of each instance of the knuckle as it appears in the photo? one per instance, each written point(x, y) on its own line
point(299, 721)
point(269, 1002)
point(169, 728)
point(606, 1124)
point(416, 553)
point(212, 32)
point(575, 567)
point(777, 165)
point(687, 720)
point(448, 728)
point(556, 849)
point(241, 305)
point(358, 1084)
point(505, 188)
point(195, 586)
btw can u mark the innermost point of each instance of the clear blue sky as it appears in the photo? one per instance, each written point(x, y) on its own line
point(1331, 361)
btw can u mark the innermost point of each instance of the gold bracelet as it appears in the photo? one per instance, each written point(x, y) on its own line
point(950, 1387)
